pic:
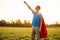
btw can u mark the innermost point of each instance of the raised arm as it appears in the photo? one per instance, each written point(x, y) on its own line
point(28, 5)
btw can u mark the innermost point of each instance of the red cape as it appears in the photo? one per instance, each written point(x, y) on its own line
point(43, 31)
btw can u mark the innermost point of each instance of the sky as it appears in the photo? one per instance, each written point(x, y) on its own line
point(16, 9)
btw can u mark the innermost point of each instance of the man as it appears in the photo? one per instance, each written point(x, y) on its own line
point(37, 21)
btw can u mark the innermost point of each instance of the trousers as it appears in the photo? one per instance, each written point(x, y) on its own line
point(35, 30)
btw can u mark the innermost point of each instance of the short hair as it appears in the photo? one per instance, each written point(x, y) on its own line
point(38, 6)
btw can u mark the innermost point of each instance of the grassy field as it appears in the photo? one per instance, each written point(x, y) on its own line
point(16, 33)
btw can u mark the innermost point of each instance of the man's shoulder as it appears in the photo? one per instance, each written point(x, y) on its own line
point(40, 14)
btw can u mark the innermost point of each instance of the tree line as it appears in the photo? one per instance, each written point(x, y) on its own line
point(16, 23)
point(26, 23)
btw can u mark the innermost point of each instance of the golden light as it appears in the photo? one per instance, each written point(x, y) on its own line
point(16, 9)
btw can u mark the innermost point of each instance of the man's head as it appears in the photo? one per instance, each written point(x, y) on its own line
point(37, 8)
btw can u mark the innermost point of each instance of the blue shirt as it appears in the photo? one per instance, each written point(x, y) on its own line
point(36, 19)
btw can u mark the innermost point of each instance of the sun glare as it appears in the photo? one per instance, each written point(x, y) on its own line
point(16, 9)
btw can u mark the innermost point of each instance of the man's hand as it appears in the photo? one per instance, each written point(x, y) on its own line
point(40, 28)
point(40, 24)
point(25, 2)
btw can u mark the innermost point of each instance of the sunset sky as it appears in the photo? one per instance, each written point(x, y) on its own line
point(16, 9)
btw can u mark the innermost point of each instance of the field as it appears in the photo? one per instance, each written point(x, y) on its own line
point(17, 33)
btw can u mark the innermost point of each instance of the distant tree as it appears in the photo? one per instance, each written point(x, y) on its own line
point(25, 21)
point(8, 24)
point(12, 23)
point(18, 22)
point(3, 23)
